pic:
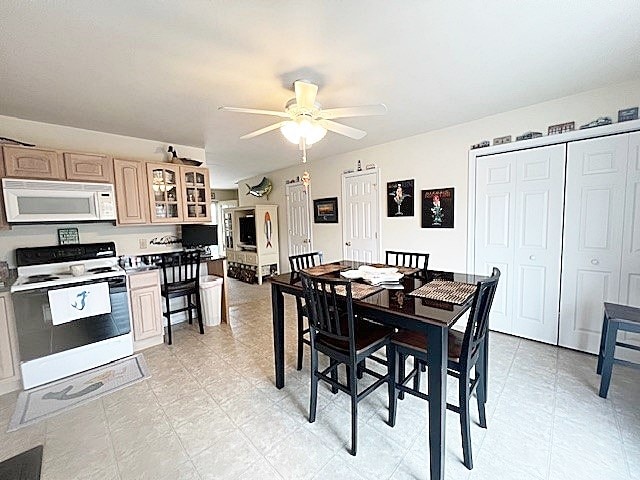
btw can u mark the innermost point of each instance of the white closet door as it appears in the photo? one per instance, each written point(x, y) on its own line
point(630, 277)
point(591, 261)
point(538, 242)
point(494, 232)
point(519, 204)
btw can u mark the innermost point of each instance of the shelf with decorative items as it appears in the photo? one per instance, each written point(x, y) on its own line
point(196, 194)
point(165, 192)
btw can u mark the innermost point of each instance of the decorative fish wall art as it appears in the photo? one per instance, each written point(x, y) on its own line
point(262, 189)
point(267, 229)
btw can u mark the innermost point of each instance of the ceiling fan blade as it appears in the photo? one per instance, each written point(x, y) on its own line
point(343, 129)
point(253, 110)
point(305, 93)
point(275, 126)
point(360, 111)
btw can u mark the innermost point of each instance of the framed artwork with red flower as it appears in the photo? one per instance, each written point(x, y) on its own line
point(437, 208)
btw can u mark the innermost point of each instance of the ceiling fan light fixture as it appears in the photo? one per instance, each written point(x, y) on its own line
point(309, 130)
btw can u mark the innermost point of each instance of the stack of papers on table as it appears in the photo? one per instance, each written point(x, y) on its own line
point(383, 276)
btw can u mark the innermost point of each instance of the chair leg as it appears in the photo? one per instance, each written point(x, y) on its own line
point(360, 370)
point(168, 320)
point(300, 336)
point(190, 309)
point(334, 374)
point(392, 359)
point(353, 380)
point(465, 423)
point(417, 365)
point(313, 399)
point(481, 393)
point(199, 313)
point(603, 336)
point(608, 357)
point(402, 360)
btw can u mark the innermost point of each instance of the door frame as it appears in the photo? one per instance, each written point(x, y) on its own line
point(344, 176)
point(287, 187)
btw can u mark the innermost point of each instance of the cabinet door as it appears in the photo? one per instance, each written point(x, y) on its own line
point(594, 214)
point(3, 216)
point(165, 192)
point(146, 313)
point(86, 167)
point(25, 162)
point(196, 194)
point(9, 368)
point(519, 204)
point(131, 192)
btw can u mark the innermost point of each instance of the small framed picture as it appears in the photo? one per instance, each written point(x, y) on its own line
point(437, 208)
point(400, 198)
point(67, 236)
point(325, 210)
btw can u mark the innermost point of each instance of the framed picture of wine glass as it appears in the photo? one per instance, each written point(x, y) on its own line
point(400, 198)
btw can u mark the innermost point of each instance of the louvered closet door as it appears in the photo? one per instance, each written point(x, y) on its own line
point(593, 237)
point(519, 230)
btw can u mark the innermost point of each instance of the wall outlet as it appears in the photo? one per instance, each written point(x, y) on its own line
point(142, 242)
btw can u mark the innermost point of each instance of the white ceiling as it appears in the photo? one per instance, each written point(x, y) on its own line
point(160, 69)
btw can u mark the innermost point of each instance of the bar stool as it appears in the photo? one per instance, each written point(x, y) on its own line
point(616, 317)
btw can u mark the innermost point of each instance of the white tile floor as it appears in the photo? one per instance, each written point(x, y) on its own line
point(211, 410)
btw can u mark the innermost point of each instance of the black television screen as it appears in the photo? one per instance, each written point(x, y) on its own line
point(199, 235)
point(247, 230)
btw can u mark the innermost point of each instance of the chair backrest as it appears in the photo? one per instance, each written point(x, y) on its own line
point(330, 309)
point(478, 323)
point(304, 260)
point(181, 267)
point(408, 259)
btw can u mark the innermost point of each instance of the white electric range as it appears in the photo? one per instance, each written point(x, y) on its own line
point(69, 323)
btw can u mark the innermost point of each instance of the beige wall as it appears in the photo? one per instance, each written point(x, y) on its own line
point(127, 239)
point(434, 159)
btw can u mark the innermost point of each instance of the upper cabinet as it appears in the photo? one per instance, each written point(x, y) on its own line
point(26, 162)
point(165, 192)
point(131, 192)
point(88, 167)
point(196, 194)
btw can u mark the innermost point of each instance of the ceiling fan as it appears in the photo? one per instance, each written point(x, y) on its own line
point(306, 122)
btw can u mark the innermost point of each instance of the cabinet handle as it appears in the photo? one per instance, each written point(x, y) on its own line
point(594, 261)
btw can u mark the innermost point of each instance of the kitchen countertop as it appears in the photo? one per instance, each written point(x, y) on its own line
point(147, 262)
point(7, 284)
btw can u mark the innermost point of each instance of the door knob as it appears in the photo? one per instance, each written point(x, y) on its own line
point(532, 257)
point(348, 244)
point(594, 261)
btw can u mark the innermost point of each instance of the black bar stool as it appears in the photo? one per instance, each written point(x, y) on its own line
point(616, 317)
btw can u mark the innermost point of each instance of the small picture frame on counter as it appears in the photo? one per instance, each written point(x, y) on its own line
point(68, 236)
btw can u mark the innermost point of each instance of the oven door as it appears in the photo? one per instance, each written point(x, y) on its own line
point(39, 335)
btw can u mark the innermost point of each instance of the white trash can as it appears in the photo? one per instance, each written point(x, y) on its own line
point(210, 297)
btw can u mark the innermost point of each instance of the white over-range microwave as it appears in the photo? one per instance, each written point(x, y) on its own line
point(34, 201)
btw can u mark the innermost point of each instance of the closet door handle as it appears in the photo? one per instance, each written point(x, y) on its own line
point(595, 261)
point(348, 244)
point(532, 257)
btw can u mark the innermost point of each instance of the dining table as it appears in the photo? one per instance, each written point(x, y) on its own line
point(395, 307)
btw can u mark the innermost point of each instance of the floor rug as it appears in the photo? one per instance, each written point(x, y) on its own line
point(62, 395)
point(24, 466)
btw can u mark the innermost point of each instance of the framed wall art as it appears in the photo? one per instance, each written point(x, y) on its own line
point(325, 210)
point(400, 198)
point(437, 208)
point(67, 236)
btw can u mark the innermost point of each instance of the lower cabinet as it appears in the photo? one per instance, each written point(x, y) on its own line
point(9, 359)
point(146, 312)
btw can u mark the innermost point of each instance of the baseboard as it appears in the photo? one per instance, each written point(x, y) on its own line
point(10, 385)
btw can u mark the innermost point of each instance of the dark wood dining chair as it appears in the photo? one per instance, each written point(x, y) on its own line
point(335, 332)
point(408, 259)
point(466, 350)
point(297, 263)
point(181, 278)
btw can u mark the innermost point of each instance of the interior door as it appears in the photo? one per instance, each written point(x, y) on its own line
point(591, 262)
point(519, 201)
point(298, 218)
point(361, 221)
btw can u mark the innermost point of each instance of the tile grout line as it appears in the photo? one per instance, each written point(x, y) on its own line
point(113, 448)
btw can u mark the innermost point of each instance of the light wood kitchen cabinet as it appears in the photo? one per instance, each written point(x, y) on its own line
point(165, 193)
point(3, 216)
point(9, 359)
point(146, 312)
point(131, 192)
point(196, 194)
point(88, 167)
point(27, 162)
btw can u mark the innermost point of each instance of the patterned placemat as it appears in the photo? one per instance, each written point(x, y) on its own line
point(323, 269)
point(445, 291)
point(358, 290)
point(403, 270)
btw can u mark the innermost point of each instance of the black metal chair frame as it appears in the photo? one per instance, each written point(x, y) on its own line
point(327, 314)
point(474, 349)
point(297, 263)
point(408, 259)
point(181, 278)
